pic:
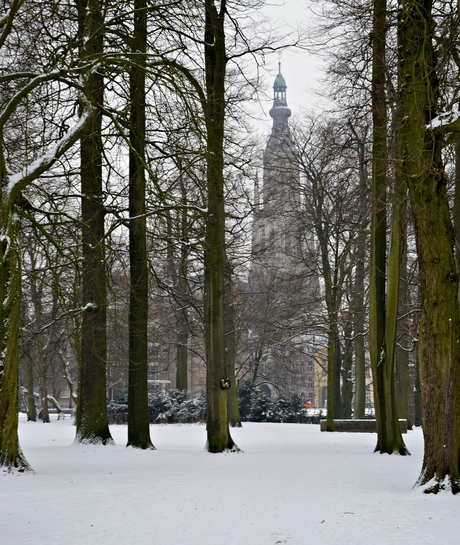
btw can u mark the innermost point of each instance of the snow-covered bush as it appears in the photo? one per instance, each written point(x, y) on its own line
point(255, 406)
point(171, 405)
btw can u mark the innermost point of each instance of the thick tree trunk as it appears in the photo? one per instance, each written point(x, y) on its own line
point(219, 438)
point(456, 207)
point(92, 420)
point(382, 311)
point(11, 456)
point(138, 411)
point(378, 219)
point(439, 349)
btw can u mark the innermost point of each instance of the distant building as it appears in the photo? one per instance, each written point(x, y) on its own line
point(281, 350)
point(275, 237)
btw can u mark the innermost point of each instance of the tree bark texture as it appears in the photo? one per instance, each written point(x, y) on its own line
point(218, 433)
point(439, 347)
point(92, 420)
point(138, 411)
point(381, 316)
point(11, 456)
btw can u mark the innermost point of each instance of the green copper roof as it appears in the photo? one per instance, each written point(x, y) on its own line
point(280, 82)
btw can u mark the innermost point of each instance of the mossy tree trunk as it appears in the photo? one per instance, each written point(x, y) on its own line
point(11, 456)
point(138, 411)
point(218, 433)
point(439, 347)
point(456, 207)
point(382, 309)
point(92, 420)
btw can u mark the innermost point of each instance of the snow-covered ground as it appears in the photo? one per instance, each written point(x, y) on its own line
point(290, 484)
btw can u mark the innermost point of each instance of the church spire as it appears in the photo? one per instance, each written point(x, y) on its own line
point(279, 112)
point(279, 87)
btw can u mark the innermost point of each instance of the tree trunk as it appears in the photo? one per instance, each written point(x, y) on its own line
point(11, 456)
point(92, 420)
point(456, 207)
point(234, 418)
point(359, 408)
point(218, 433)
point(347, 382)
point(391, 439)
point(439, 349)
point(402, 377)
point(333, 404)
point(182, 294)
point(44, 412)
point(31, 408)
point(138, 410)
point(382, 311)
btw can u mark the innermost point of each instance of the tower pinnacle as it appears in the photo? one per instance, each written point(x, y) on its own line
point(279, 112)
point(279, 87)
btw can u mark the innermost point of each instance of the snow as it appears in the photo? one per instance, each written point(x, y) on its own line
point(290, 484)
point(46, 161)
point(443, 119)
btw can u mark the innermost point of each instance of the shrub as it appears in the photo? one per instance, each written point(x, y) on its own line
point(171, 405)
point(255, 406)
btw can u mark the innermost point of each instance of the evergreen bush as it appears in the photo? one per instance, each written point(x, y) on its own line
point(171, 406)
point(178, 406)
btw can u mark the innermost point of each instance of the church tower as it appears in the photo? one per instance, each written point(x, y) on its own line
point(275, 244)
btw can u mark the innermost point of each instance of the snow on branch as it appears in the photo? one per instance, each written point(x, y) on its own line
point(445, 122)
point(19, 180)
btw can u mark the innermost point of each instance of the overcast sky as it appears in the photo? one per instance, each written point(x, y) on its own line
point(302, 70)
